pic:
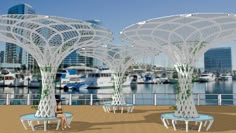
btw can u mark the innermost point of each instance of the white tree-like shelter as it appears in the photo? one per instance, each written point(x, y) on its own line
point(118, 58)
point(49, 40)
point(184, 38)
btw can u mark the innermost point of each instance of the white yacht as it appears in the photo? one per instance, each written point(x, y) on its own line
point(11, 78)
point(225, 77)
point(82, 69)
point(207, 77)
point(102, 79)
point(67, 76)
point(137, 79)
point(162, 79)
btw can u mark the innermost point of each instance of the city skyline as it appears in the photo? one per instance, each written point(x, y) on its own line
point(14, 53)
point(116, 15)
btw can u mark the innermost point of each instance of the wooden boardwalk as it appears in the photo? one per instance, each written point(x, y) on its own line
point(92, 119)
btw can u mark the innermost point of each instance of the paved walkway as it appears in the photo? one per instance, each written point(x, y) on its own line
point(92, 119)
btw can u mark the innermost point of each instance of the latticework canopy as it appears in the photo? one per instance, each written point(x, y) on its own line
point(118, 58)
point(49, 40)
point(183, 38)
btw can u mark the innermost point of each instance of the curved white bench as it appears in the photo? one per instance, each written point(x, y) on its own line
point(201, 118)
point(30, 118)
point(107, 107)
point(130, 107)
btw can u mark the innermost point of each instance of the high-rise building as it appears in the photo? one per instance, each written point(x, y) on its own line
point(1, 56)
point(218, 60)
point(21, 9)
point(14, 53)
point(75, 59)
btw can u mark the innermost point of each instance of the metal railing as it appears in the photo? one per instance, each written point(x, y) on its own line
point(134, 98)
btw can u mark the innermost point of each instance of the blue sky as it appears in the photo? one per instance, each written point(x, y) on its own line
point(117, 14)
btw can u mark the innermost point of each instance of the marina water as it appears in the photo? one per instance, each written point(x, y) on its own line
point(207, 92)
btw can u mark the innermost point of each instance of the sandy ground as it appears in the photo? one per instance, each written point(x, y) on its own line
point(92, 119)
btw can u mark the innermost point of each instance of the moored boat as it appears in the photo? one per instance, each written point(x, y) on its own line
point(11, 78)
point(225, 77)
point(103, 79)
point(207, 77)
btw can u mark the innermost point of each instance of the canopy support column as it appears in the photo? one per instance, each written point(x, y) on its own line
point(185, 103)
point(47, 101)
point(117, 96)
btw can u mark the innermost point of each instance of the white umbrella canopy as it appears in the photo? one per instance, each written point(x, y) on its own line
point(47, 37)
point(118, 58)
point(184, 38)
point(49, 40)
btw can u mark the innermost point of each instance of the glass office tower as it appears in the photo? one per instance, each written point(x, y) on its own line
point(218, 60)
point(14, 53)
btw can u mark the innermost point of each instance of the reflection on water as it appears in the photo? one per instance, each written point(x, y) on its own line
point(134, 88)
point(146, 90)
point(221, 87)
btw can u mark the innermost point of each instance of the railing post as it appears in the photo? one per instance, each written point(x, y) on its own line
point(198, 99)
point(155, 99)
point(70, 99)
point(7, 100)
point(91, 99)
point(28, 99)
point(134, 98)
point(219, 99)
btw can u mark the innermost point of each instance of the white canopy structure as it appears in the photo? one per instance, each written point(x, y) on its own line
point(118, 58)
point(49, 40)
point(184, 38)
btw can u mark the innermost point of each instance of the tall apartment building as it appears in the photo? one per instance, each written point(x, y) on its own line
point(1, 56)
point(218, 60)
point(14, 53)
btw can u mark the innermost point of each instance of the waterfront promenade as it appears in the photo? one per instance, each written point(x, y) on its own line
point(92, 119)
